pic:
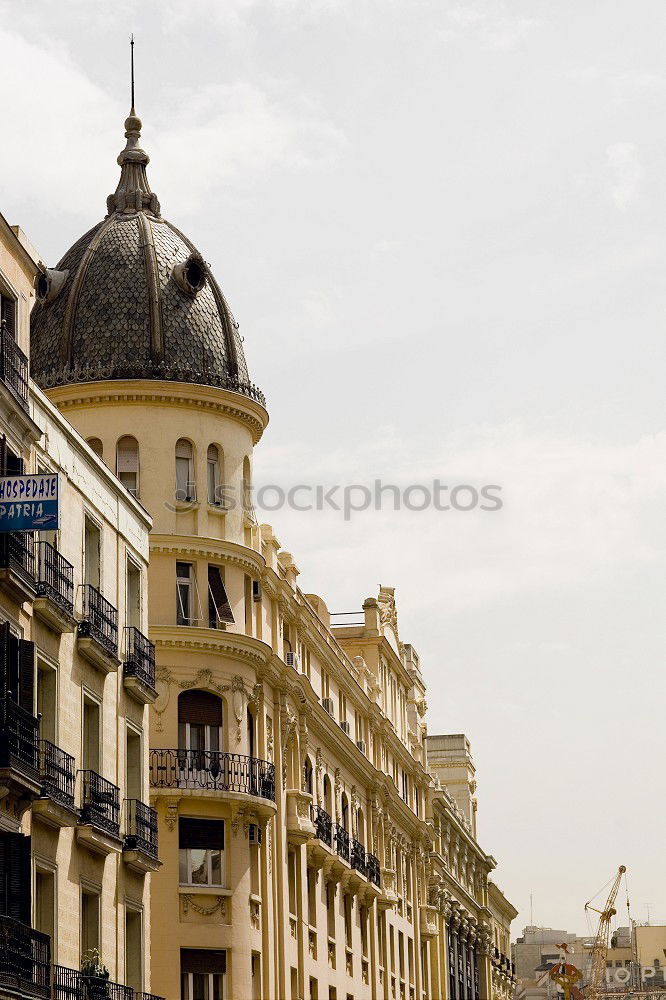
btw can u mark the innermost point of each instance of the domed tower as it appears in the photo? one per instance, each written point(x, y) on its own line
point(134, 341)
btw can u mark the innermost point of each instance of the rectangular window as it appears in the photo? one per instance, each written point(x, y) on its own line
point(47, 691)
point(219, 609)
point(8, 314)
point(203, 974)
point(89, 920)
point(133, 949)
point(291, 876)
point(92, 550)
point(133, 775)
point(185, 593)
point(45, 905)
point(201, 850)
point(133, 597)
point(91, 731)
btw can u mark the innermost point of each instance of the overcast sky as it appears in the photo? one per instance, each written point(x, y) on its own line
point(441, 228)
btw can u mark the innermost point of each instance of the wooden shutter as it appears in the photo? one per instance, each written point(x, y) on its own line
point(127, 455)
point(218, 593)
point(200, 708)
point(26, 685)
point(4, 659)
point(205, 834)
point(203, 960)
point(15, 876)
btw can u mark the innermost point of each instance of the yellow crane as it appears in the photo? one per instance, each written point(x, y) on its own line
point(595, 986)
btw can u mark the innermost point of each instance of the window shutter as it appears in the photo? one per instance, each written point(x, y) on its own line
point(127, 455)
point(205, 834)
point(200, 708)
point(203, 960)
point(219, 594)
point(15, 876)
point(4, 659)
point(26, 689)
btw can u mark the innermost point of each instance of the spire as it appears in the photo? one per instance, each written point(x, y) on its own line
point(133, 193)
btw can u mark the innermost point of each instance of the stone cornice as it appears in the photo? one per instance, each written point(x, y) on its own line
point(217, 642)
point(198, 547)
point(185, 394)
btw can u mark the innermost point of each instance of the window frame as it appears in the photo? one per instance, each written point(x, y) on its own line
point(190, 486)
point(133, 490)
point(211, 985)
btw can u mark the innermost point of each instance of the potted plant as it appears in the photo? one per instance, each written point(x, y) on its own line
point(95, 975)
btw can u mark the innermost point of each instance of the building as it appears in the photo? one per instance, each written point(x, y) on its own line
point(77, 836)
point(288, 760)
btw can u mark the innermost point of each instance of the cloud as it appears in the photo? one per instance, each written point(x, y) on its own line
point(494, 28)
point(626, 173)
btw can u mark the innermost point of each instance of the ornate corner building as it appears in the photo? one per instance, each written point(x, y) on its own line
point(315, 842)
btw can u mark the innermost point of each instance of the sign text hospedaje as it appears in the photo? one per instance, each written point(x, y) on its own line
point(29, 503)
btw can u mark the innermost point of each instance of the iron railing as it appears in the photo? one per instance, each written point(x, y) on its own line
point(141, 827)
point(323, 825)
point(140, 657)
point(100, 620)
point(224, 772)
point(55, 577)
point(57, 774)
point(25, 959)
point(17, 553)
point(13, 366)
point(373, 870)
point(100, 803)
point(103, 989)
point(147, 996)
point(358, 857)
point(19, 738)
point(342, 842)
point(66, 983)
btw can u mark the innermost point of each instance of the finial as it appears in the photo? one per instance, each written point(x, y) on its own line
point(133, 193)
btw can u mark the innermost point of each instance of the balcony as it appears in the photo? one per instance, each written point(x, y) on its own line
point(14, 368)
point(99, 816)
point(66, 984)
point(57, 774)
point(323, 825)
point(98, 631)
point(373, 870)
point(19, 750)
point(25, 960)
point(17, 565)
point(206, 772)
point(103, 989)
point(70, 984)
point(429, 921)
point(139, 666)
point(342, 843)
point(54, 602)
point(140, 843)
point(299, 811)
point(147, 996)
point(358, 858)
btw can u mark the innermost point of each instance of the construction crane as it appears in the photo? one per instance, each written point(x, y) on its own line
point(595, 986)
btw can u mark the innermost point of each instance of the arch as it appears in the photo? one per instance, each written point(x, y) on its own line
point(96, 445)
point(127, 463)
point(246, 485)
point(250, 724)
point(307, 776)
point(328, 798)
point(344, 812)
point(360, 826)
point(186, 487)
point(214, 474)
point(200, 721)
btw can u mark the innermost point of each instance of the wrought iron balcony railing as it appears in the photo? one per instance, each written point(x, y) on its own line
point(225, 772)
point(100, 803)
point(147, 996)
point(373, 870)
point(104, 989)
point(141, 827)
point(342, 842)
point(57, 774)
point(323, 825)
point(358, 857)
point(140, 657)
point(25, 960)
point(17, 553)
point(55, 577)
point(13, 367)
point(19, 738)
point(100, 620)
point(66, 983)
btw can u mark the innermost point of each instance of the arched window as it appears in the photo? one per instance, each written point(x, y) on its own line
point(327, 796)
point(214, 475)
point(345, 812)
point(200, 723)
point(246, 487)
point(360, 826)
point(127, 463)
point(307, 776)
point(97, 446)
point(185, 484)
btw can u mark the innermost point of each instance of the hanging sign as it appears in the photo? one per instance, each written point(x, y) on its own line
point(30, 503)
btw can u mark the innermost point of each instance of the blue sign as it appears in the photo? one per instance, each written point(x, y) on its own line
point(30, 503)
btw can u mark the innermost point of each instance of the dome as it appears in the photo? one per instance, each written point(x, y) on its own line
point(134, 299)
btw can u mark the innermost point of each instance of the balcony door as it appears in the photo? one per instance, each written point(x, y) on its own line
point(200, 737)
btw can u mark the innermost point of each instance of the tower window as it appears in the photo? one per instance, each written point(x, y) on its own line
point(185, 485)
point(96, 445)
point(213, 468)
point(127, 464)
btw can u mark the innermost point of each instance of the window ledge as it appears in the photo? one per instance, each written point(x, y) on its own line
point(218, 509)
point(204, 890)
point(180, 505)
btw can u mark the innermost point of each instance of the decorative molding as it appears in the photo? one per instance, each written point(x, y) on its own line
point(189, 901)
